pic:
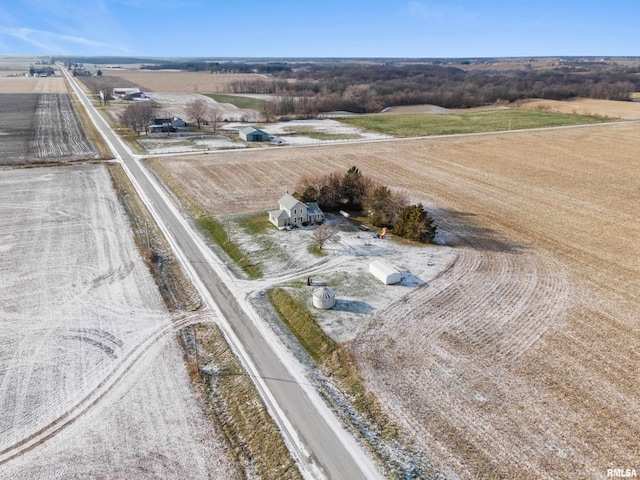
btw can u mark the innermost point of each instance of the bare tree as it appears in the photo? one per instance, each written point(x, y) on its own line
point(138, 116)
point(268, 111)
point(105, 93)
point(197, 111)
point(384, 206)
point(215, 117)
point(325, 233)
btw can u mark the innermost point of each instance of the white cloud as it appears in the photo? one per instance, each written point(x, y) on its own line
point(425, 12)
point(51, 42)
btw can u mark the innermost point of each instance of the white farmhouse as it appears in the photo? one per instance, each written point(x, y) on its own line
point(292, 212)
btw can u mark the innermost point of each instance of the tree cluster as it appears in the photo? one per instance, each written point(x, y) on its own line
point(415, 224)
point(200, 112)
point(138, 116)
point(335, 191)
point(217, 67)
point(353, 191)
point(369, 88)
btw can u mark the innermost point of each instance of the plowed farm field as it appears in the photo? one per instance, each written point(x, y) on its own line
point(21, 84)
point(37, 128)
point(92, 381)
point(587, 106)
point(180, 82)
point(522, 359)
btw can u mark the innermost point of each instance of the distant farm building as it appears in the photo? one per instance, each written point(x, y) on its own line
point(122, 92)
point(161, 125)
point(292, 213)
point(166, 124)
point(324, 298)
point(251, 134)
point(385, 272)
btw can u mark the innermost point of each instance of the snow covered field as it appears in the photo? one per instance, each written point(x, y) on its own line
point(313, 132)
point(91, 379)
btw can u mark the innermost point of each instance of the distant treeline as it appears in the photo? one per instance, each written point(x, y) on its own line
point(217, 67)
point(370, 88)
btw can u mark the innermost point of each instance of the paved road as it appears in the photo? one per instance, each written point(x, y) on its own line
point(322, 448)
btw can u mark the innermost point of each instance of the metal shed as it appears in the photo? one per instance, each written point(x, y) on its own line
point(385, 272)
point(251, 134)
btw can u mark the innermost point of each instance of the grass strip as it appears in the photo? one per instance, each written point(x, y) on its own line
point(364, 411)
point(212, 229)
point(418, 125)
point(334, 359)
point(216, 232)
point(231, 401)
point(310, 132)
point(256, 223)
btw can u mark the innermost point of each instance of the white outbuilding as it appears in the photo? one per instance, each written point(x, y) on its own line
point(385, 272)
point(324, 298)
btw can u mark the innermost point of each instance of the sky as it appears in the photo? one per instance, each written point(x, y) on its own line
point(314, 28)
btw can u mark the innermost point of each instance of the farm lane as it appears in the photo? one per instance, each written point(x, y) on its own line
point(319, 443)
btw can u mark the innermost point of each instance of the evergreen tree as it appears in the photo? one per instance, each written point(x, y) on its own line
point(415, 224)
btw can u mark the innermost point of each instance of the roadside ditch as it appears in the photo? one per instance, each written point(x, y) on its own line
point(224, 391)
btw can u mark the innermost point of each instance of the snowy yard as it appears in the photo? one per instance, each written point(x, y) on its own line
point(285, 260)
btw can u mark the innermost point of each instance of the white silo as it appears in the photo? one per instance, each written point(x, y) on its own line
point(324, 298)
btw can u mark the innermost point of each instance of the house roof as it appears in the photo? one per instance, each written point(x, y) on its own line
point(313, 209)
point(288, 201)
point(383, 267)
point(278, 214)
point(248, 130)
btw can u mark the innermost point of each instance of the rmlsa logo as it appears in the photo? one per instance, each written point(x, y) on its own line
point(621, 473)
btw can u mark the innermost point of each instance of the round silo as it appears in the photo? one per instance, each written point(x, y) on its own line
point(324, 298)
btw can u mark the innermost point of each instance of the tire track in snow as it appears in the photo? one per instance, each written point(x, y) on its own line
point(92, 398)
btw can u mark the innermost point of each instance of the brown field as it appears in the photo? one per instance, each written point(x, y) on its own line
point(522, 359)
point(179, 82)
point(31, 84)
point(36, 128)
point(587, 106)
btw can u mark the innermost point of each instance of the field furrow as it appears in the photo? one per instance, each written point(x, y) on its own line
point(522, 359)
point(39, 128)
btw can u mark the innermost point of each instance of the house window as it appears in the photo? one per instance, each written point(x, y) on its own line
point(294, 211)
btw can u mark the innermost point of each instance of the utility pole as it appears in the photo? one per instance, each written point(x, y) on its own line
point(195, 344)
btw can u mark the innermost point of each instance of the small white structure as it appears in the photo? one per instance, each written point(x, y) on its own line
point(324, 298)
point(384, 272)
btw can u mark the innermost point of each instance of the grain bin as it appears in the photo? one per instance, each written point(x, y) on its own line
point(324, 298)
